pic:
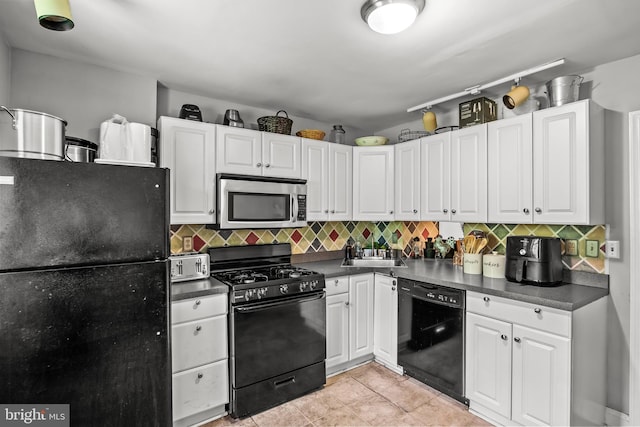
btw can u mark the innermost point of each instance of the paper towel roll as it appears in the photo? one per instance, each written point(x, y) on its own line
point(493, 265)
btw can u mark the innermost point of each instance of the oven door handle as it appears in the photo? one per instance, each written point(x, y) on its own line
point(259, 306)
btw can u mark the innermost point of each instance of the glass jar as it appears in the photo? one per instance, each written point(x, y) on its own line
point(337, 134)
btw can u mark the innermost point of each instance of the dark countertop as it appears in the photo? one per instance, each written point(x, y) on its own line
point(196, 288)
point(567, 296)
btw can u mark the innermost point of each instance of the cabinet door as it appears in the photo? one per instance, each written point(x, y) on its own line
point(385, 319)
point(337, 329)
point(509, 181)
point(360, 315)
point(488, 363)
point(561, 164)
point(238, 150)
point(315, 169)
point(407, 181)
point(469, 174)
point(435, 186)
point(541, 378)
point(281, 155)
point(340, 182)
point(187, 148)
point(373, 183)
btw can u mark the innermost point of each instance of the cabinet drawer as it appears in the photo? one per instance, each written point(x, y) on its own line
point(523, 313)
point(199, 389)
point(337, 285)
point(198, 308)
point(199, 342)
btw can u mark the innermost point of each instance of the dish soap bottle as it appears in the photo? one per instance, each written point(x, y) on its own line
point(337, 134)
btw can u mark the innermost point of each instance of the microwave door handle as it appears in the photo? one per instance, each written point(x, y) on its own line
point(294, 211)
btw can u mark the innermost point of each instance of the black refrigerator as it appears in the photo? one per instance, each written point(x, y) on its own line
point(84, 290)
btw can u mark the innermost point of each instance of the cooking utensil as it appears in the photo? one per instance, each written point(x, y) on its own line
point(31, 134)
point(80, 150)
point(232, 118)
point(480, 245)
point(468, 243)
point(368, 141)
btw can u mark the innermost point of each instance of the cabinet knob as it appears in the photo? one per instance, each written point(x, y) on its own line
point(526, 211)
point(332, 211)
point(391, 212)
point(200, 375)
point(486, 299)
point(267, 165)
point(445, 210)
point(516, 339)
point(211, 211)
point(538, 210)
point(504, 337)
point(393, 288)
point(453, 211)
point(346, 303)
point(415, 211)
point(336, 282)
point(326, 211)
point(537, 310)
point(197, 302)
point(198, 328)
point(259, 165)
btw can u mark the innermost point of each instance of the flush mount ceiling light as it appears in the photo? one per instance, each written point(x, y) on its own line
point(390, 16)
point(54, 14)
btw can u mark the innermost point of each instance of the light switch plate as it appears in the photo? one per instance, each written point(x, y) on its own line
point(591, 248)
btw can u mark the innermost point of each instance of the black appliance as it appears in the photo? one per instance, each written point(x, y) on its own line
point(431, 335)
point(534, 260)
point(190, 112)
point(277, 326)
point(84, 290)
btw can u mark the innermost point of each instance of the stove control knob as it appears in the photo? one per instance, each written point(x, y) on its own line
point(247, 295)
point(284, 289)
point(262, 292)
point(303, 286)
point(313, 284)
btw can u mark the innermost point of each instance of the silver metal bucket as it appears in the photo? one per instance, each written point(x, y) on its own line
point(31, 134)
point(563, 90)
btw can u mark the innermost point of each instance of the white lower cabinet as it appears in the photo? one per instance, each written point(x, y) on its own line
point(385, 321)
point(349, 321)
point(535, 365)
point(199, 359)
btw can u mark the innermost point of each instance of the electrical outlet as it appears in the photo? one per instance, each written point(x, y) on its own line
point(571, 247)
point(591, 248)
point(187, 244)
point(613, 249)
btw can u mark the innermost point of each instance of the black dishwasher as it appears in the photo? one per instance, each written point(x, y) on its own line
point(431, 335)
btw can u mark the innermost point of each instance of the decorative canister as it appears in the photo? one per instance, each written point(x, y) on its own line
point(472, 263)
point(493, 265)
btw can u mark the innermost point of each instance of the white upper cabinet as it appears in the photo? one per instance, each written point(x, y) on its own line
point(250, 152)
point(510, 179)
point(407, 181)
point(373, 177)
point(469, 174)
point(187, 148)
point(568, 164)
point(435, 154)
point(327, 167)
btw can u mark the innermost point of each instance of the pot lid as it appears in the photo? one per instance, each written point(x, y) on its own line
point(72, 140)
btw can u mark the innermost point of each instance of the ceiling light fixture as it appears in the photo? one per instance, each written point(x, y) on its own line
point(54, 14)
point(516, 96)
point(390, 16)
point(474, 90)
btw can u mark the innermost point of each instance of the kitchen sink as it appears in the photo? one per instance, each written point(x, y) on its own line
point(374, 262)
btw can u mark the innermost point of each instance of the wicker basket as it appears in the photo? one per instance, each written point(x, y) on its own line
point(408, 135)
point(311, 134)
point(276, 124)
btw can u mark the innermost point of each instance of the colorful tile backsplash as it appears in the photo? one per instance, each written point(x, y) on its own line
point(575, 238)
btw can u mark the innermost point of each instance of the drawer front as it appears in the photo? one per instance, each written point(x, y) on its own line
point(523, 313)
point(198, 308)
point(337, 285)
point(199, 342)
point(199, 389)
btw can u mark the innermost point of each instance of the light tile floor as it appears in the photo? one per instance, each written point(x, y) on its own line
point(369, 395)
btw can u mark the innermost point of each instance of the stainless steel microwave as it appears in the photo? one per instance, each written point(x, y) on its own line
point(260, 202)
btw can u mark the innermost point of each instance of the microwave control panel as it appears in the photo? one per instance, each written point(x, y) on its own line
point(302, 207)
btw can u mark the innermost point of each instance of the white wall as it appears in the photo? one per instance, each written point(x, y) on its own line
point(5, 72)
point(611, 86)
point(82, 94)
point(170, 101)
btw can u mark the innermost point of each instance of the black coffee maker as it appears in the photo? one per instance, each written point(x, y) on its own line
point(534, 260)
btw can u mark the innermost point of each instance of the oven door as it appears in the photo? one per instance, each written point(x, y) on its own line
point(274, 337)
point(246, 202)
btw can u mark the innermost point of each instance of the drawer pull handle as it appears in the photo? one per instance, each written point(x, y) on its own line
point(197, 302)
point(485, 299)
point(200, 375)
point(198, 328)
point(516, 339)
point(537, 310)
point(504, 337)
point(290, 380)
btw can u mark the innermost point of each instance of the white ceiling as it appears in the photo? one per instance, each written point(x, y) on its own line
point(318, 59)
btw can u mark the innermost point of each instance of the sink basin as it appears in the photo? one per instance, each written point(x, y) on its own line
point(373, 262)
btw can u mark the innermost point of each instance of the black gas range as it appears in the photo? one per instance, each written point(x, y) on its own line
point(277, 326)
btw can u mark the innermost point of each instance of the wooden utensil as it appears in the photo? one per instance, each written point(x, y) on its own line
point(480, 245)
point(469, 242)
